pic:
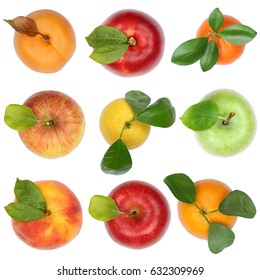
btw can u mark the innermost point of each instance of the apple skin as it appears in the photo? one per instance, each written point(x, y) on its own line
point(145, 215)
point(236, 136)
point(148, 51)
point(58, 228)
point(60, 128)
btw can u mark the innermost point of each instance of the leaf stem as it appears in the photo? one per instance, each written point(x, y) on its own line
point(127, 125)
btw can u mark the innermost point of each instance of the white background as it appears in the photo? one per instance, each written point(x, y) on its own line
point(166, 151)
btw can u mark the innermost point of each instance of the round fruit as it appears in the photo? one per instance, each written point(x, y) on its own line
point(60, 125)
point(209, 194)
point(226, 139)
point(62, 221)
point(147, 42)
point(227, 52)
point(52, 48)
point(144, 218)
point(118, 115)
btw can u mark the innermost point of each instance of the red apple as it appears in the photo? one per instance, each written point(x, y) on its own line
point(145, 39)
point(49, 223)
point(59, 123)
point(144, 218)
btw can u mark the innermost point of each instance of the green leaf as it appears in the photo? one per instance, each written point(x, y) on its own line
point(103, 36)
point(23, 212)
point(117, 160)
point(160, 114)
point(238, 34)
point(27, 192)
point(19, 117)
point(109, 54)
point(238, 203)
point(219, 238)
point(103, 208)
point(210, 57)
point(216, 19)
point(109, 43)
point(182, 187)
point(190, 51)
point(137, 100)
point(200, 116)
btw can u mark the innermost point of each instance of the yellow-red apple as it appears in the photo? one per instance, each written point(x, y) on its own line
point(59, 123)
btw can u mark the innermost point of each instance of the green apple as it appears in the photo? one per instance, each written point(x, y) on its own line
point(231, 125)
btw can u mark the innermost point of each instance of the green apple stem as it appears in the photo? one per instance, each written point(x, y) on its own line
point(227, 120)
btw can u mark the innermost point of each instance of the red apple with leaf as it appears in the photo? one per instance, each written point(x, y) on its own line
point(136, 214)
point(128, 43)
point(50, 123)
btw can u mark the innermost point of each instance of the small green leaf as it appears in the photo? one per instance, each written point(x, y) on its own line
point(27, 192)
point(103, 36)
point(103, 208)
point(23, 212)
point(182, 187)
point(216, 19)
point(200, 116)
point(117, 159)
point(210, 57)
point(238, 34)
point(19, 117)
point(160, 114)
point(109, 54)
point(238, 203)
point(137, 100)
point(190, 51)
point(219, 238)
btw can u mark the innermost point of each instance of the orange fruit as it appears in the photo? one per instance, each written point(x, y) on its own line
point(117, 115)
point(209, 194)
point(46, 55)
point(227, 52)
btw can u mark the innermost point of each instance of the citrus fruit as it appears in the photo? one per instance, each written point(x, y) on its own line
point(117, 120)
point(227, 52)
point(196, 217)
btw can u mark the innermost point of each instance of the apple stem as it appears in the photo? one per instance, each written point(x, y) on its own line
point(47, 212)
point(227, 120)
point(50, 123)
point(132, 41)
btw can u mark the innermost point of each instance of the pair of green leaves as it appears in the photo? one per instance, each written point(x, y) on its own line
point(30, 203)
point(117, 159)
point(206, 50)
point(237, 203)
point(109, 44)
point(19, 117)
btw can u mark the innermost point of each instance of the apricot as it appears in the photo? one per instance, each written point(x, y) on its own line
point(52, 47)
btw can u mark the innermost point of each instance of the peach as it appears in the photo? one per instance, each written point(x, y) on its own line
point(52, 47)
point(61, 223)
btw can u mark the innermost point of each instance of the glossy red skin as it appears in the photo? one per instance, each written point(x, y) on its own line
point(147, 53)
point(151, 221)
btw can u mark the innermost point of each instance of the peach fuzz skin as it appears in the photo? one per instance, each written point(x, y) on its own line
point(61, 224)
point(60, 126)
point(46, 56)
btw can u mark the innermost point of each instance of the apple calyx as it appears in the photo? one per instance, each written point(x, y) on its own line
point(227, 120)
point(29, 204)
point(20, 117)
point(236, 203)
point(103, 208)
point(27, 26)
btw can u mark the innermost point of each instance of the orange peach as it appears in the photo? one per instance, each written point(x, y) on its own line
point(52, 47)
point(61, 223)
